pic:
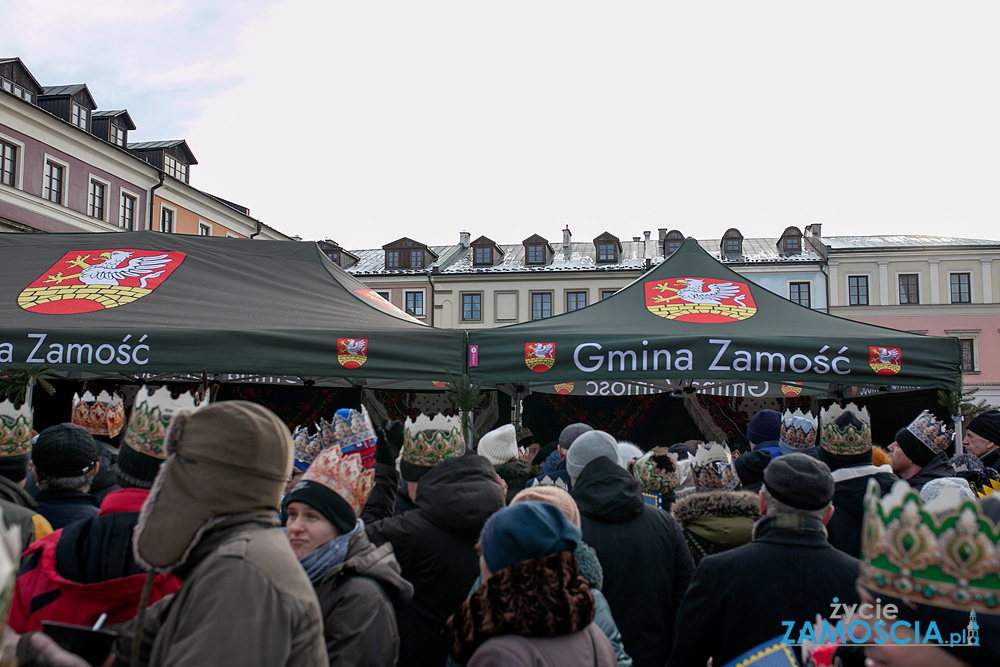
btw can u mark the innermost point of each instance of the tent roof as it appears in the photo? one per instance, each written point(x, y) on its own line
point(656, 330)
point(219, 305)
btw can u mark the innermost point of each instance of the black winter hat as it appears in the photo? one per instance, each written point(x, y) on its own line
point(914, 448)
point(135, 469)
point(799, 481)
point(323, 500)
point(986, 425)
point(64, 450)
point(751, 466)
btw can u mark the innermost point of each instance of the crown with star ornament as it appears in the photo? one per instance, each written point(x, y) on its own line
point(943, 553)
point(713, 469)
point(151, 415)
point(15, 429)
point(103, 415)
point(657, 471)
point(343, 474)
point(427, 442)
point(798, 430)
point(845, 431)
point(930, 431)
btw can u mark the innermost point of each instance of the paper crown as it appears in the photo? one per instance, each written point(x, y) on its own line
point(15, 429)
point(427, 442)
point(309, 445)
point(944, 553)
point(657, 471)
point(712, 468)
point(103, 415)
point(344, 475)
point(350, 431)
point(798, 430)
point(845, 431)
point(931, 432)
point(151, 415)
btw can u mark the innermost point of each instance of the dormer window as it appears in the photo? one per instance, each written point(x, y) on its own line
point(672, 242)
point(732, 242)
point(334, 256)
point(609, 248)
point(175, 168)
point(791, 241)
point(483, 256)
point(15, 89)
point(392, 259)
point(416, 259)
point(535, 253)
point(605, 252)
point(80, 116)
point(117, 135)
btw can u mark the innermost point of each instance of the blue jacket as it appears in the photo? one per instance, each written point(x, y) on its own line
point(62, 507)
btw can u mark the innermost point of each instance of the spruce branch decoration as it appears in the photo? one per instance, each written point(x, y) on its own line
point(961, 401)
point(467, 397)
point(16, 382)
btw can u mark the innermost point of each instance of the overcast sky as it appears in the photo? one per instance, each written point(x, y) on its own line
point(366, 121)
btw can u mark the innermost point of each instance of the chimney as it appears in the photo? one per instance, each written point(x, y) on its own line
point(636, 238)
point(813, 231)
point(663, 233)
point(567, 237)
point(463, 239)
point(647, 235)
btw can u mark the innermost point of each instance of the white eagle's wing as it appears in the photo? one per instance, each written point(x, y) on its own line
point(722, 290)
point(135, 267)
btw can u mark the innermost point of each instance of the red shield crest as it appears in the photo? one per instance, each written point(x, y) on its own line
point(564, 387)
point(702, 300)
point(539, 357)
point(352, 352)
point(885, 360)
point(90, 280)
point(791, 389)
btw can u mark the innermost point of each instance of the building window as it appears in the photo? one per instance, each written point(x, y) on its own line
point(95, 200)
point(8, 163)
point(483, 256)
point(673, 245)
point(541, 305)
point(416, 259)
point(733, 246)
point(472, 307)
point(53, 186)
point(15, 89)
point(968, 355)
point(127, 218)
point(961, 288)
point(117, 136)
point(799, 293)
point(792, 244)
point(175, 168)
point(605, 252)
point(392, 259)
point(415, 304)
point(535, 253)
point(608, 293)
point(166, 220)
point(909, 288)
point(334, 257)
point(204, 230)
point(384, 295)
point(80, 115)
point(575, 300)
point(857, 288)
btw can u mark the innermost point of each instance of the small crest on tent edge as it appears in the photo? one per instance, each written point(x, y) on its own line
point(885, 360)
point(699, 300)
point(539, 357)
point(352, 352)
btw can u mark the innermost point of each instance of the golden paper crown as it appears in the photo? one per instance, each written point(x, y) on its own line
point(943, 553)
point(713, 468)
point(845, 431)
point(931, 432)
point(427, 442)
point(798, 430)
point(657, 470)
point(344, 475)
point(151, 415)
point(103, 415)
point(15, 429)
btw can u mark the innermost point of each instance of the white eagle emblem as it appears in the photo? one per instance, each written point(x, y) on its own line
point(695, 291)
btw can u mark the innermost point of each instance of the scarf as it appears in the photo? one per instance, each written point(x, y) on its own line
point(319, 562)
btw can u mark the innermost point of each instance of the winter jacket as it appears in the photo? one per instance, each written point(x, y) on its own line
point(583, 648)
point(244, 602)
point(939, 466)
point(20, 509)
point(86, 569)
point(105, 481)
point(382, 499)
point(991, 459)
point(435, 546)
point(850, 485)
point(714, 521)
point(357, 598)
point(739, 598)
point(62, 507)
point(646, 562)
point(516, 474)
point(554, 469)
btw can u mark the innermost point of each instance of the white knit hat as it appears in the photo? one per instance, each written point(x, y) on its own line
point(499, 445)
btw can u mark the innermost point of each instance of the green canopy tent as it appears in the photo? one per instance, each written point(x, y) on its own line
point(145, 304)
point(691, 320)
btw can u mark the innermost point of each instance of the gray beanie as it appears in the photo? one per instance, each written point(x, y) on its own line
point(572, 432)
point(589, 446)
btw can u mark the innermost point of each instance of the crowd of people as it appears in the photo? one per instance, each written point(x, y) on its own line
point(212, 535)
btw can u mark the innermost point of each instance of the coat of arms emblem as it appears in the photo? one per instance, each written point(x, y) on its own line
point(352, 352)
point(885, 360)
point(83, 282)
point(564, 387)
point(539, 357)
point(701, 300)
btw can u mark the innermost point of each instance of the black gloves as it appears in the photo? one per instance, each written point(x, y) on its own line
point(390, 441)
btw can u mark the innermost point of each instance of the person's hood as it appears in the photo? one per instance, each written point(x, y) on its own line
point(377, 563)
point(849, 493)
point(229, 458)
point(12, 492)
point(607, 492)
point(724, 518)
point(460, 494)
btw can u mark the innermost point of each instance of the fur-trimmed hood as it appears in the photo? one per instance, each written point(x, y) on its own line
point(717, 504)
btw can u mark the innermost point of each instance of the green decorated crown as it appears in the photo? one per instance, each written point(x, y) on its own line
point(713, 469)
point(845, 431)
point(427, 442)
point(15, 429)
point(657, 470)
point(944, 553)
point(151, 415)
